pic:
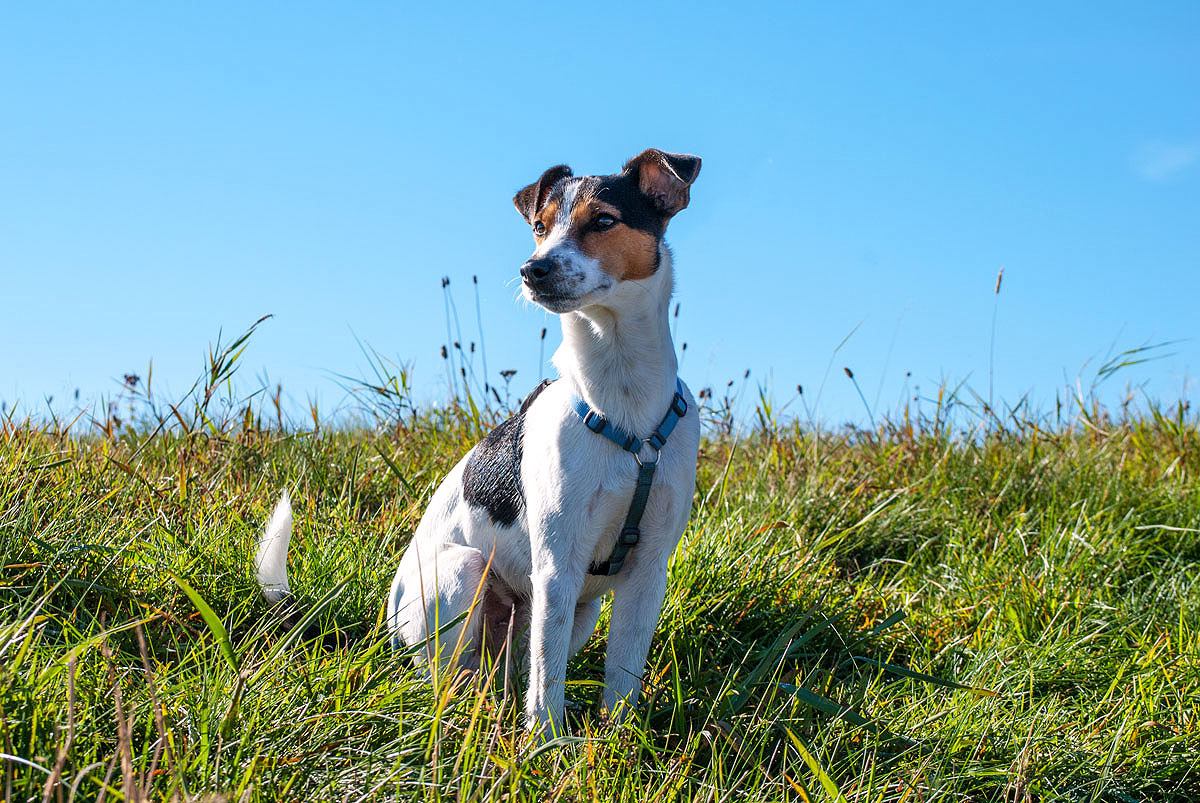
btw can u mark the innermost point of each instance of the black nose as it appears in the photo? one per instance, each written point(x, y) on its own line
point(535, 270)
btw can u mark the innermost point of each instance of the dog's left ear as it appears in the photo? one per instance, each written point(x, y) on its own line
point(529, 201)
point(665, 178)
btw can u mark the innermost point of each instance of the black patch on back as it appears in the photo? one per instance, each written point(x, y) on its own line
point(492, 477)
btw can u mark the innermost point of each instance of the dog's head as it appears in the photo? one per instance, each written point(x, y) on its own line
point(593, 233)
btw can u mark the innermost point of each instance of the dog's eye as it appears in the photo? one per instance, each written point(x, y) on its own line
point(605, 222)
point(539, 228)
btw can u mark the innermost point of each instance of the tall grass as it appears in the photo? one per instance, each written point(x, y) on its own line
point(951, 605)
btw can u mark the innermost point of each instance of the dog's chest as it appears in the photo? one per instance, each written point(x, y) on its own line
point(543, 483)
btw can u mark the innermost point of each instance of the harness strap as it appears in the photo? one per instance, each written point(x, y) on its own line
point(630, 530)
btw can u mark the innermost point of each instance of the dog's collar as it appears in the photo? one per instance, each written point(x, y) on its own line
point(631, 443)
point(630, 531)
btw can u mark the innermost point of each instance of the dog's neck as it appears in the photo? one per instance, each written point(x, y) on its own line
point(620, 358)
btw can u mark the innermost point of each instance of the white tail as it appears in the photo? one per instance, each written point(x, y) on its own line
point(271, 559)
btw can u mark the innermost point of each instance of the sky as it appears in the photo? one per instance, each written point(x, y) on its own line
point(172, 171)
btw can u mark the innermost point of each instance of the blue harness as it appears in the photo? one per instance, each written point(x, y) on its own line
point(630, 531)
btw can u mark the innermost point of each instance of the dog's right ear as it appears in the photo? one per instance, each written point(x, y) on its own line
point(529, 201)
point(665, 178)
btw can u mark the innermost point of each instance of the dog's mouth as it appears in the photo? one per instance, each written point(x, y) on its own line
point(555, 302)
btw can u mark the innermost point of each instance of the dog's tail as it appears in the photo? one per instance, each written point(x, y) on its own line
point(271, 558)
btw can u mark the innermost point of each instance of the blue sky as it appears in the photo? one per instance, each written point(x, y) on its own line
point(171, 170)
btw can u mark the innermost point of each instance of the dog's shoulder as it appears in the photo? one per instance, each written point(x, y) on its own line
point(528, 402)
point(492, 475)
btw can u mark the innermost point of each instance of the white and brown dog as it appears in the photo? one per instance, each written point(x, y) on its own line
point(532, 527)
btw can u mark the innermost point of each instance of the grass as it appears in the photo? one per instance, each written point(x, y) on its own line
point(919, 612)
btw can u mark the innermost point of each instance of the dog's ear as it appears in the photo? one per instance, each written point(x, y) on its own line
point(664, 178)
point(530, 200)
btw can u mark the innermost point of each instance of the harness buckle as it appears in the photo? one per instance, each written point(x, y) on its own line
point(679, 406)
point(594, 421)
point(629, 536)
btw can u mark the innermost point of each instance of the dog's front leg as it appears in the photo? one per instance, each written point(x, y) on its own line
point(637, 602)
point(555, 591)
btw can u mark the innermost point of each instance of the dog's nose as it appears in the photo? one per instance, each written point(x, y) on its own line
point(535, 270)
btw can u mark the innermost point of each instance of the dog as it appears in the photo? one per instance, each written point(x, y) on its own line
point(587, 488)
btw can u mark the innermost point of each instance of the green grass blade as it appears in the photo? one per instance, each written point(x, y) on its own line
point(827, 783)
point(212, 621)
point(909, 673)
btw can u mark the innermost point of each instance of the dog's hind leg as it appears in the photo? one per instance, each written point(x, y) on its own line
point(586, 616)
point(435, 606)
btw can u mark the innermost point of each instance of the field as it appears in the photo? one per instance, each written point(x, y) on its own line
point(946, 607)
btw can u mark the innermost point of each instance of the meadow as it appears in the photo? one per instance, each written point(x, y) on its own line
point(953, 605)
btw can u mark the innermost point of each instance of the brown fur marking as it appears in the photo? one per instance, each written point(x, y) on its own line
point(547, 215)
point(623, 252)
point(588, 209)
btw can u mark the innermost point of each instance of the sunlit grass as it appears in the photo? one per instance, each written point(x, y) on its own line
point(999, 612)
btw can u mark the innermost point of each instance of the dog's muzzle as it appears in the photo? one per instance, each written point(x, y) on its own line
point(540, 273)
